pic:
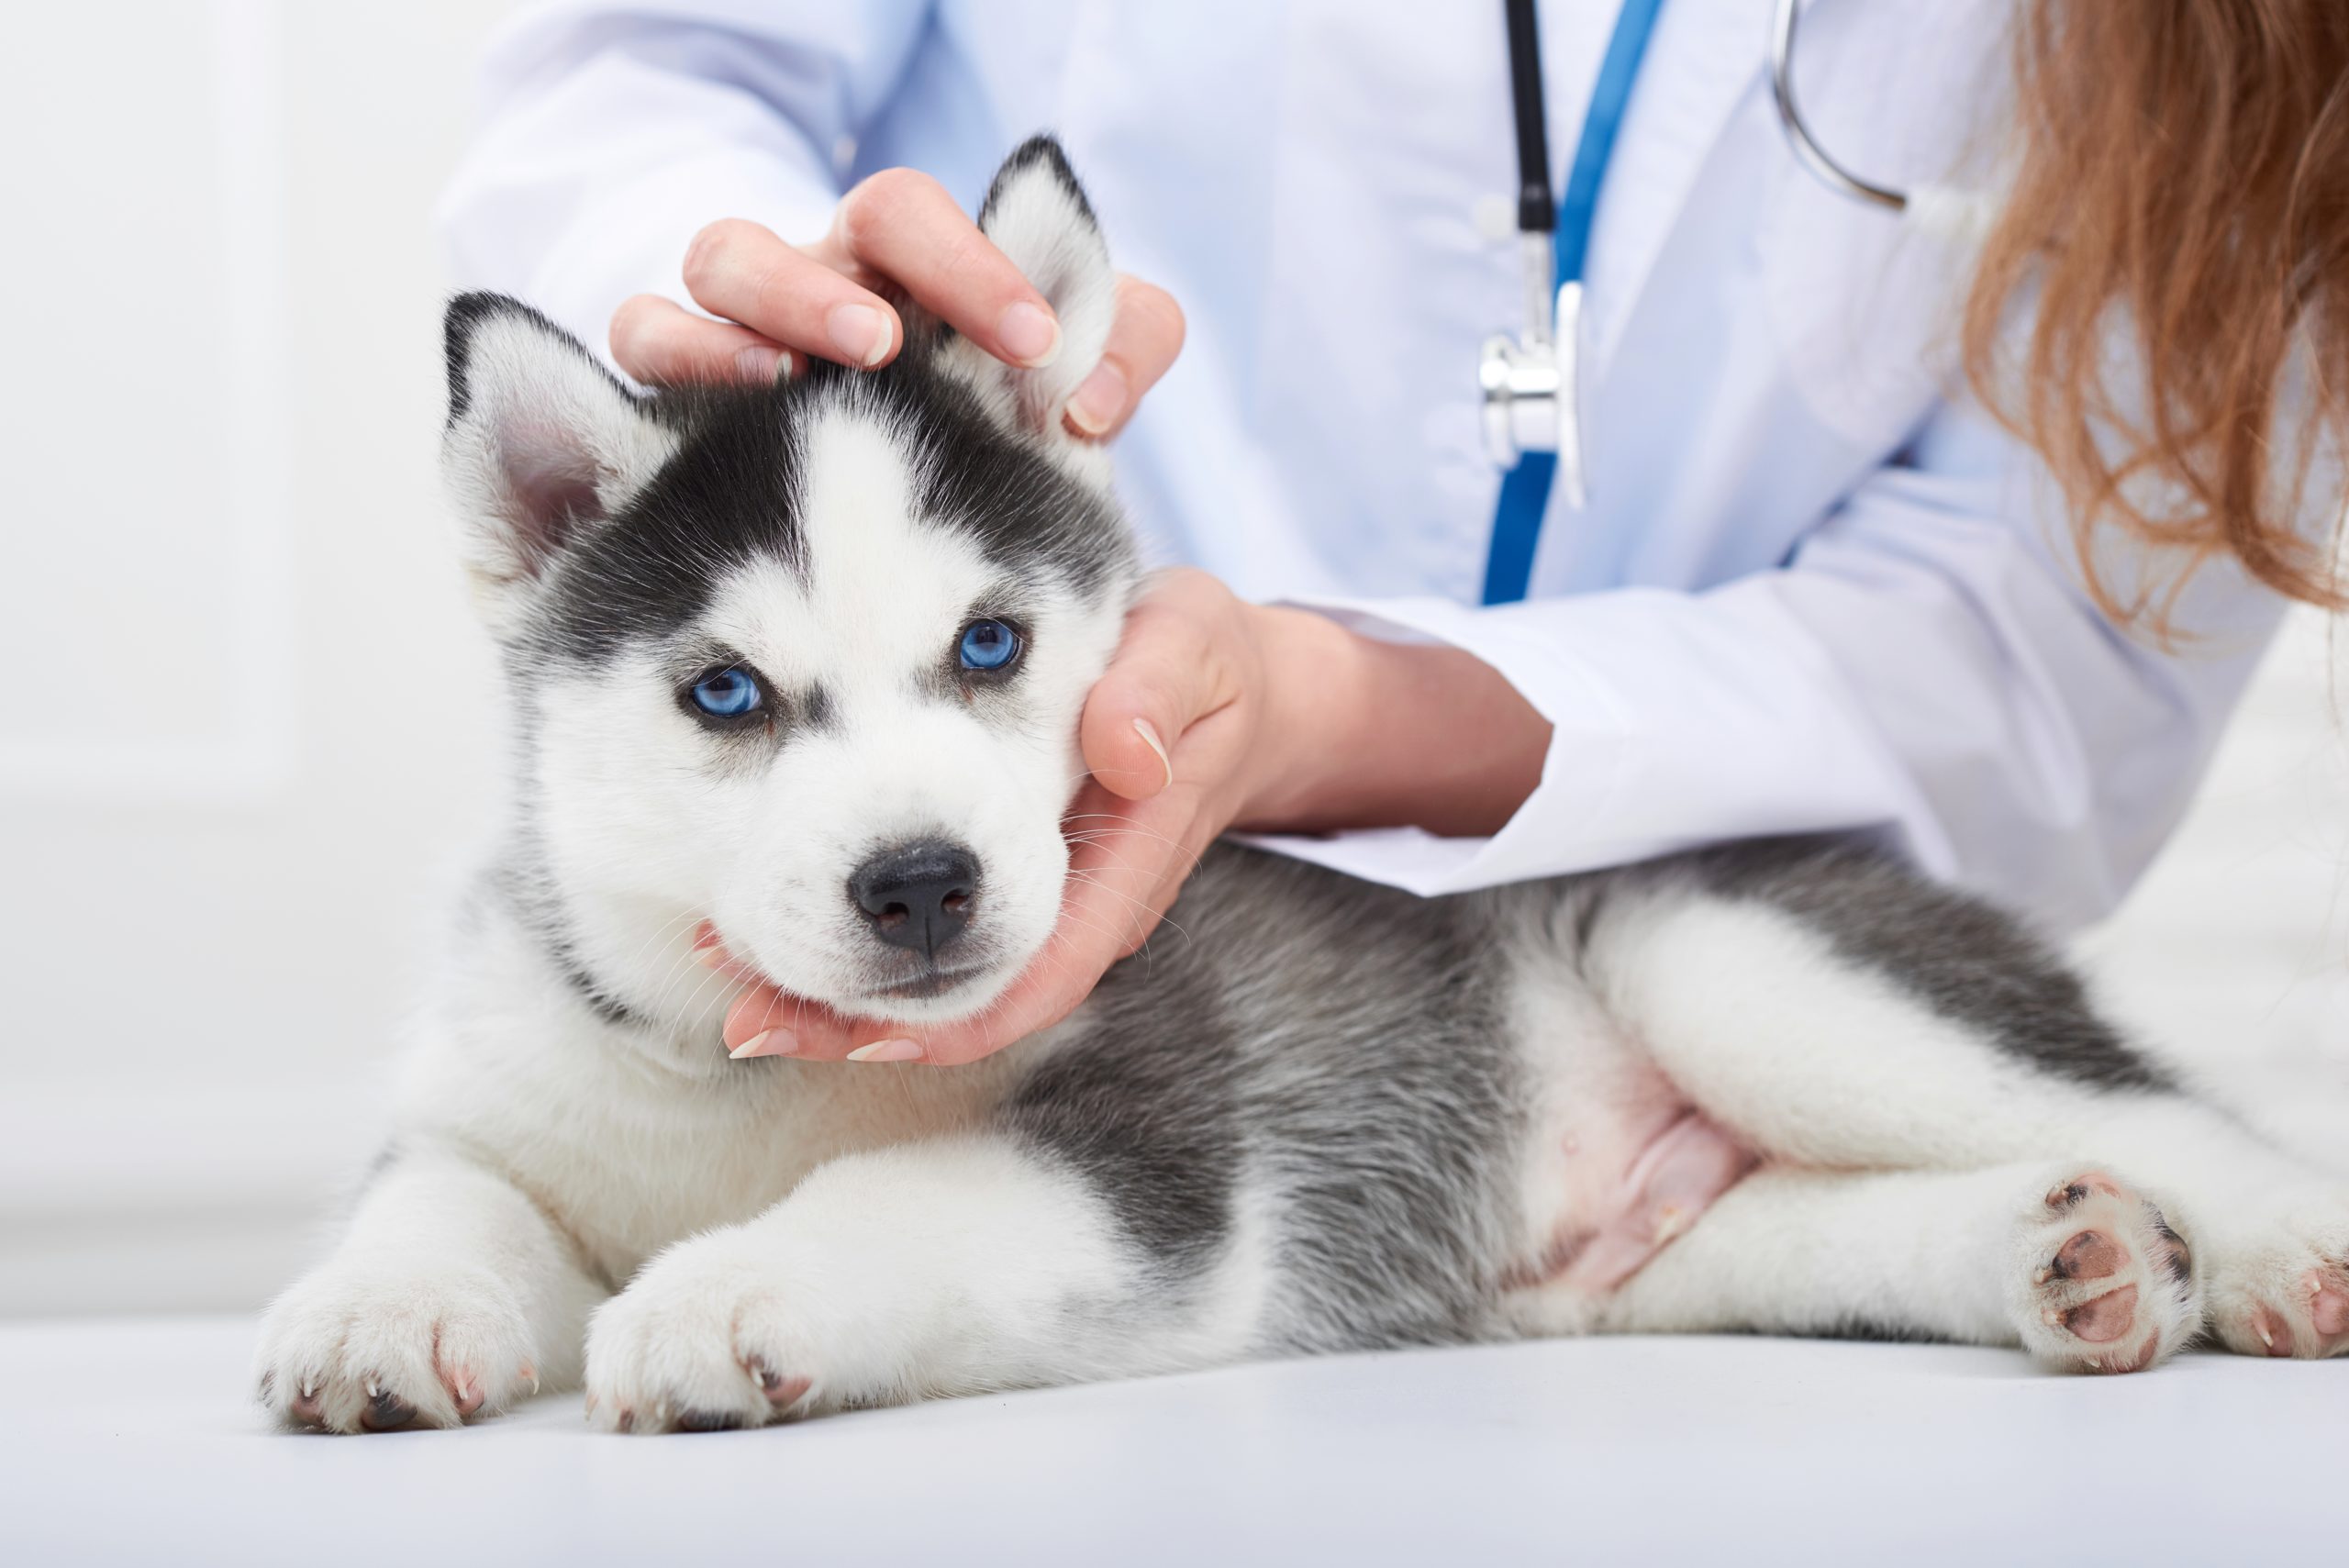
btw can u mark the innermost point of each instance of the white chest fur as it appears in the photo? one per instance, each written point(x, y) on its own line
point(630, 1140)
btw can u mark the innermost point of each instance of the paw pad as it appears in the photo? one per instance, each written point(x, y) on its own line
point(2274, 1331)
point(2112, 1287)
point(782, 1392)
point(2102, 1320)
point(2091, 1254)
point(708, 1421)
point(385, 1412)
point(2327, 1305)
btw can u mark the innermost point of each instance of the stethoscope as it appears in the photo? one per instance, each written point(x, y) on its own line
point(1531, 383)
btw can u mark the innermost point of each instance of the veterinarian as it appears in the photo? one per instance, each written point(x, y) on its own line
point(1967, 534)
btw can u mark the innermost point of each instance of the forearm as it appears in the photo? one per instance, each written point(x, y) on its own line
point(1375, 734)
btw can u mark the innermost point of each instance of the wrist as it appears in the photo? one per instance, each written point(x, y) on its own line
point(1356, 732)
point(1317, 696)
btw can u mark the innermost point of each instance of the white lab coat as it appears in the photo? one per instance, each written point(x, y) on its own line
point(1811, 590)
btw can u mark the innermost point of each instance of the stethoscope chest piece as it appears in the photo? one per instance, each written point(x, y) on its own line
point(1531, 386)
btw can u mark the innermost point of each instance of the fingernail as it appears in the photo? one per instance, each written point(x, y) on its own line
point(860, 333)
point(1100, 400)
point(772, 1043)
point(886, 1051)
point(759, 362)
point(1149, 734)
point(1029, 335)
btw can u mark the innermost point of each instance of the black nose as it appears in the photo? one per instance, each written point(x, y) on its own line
point(918, 896)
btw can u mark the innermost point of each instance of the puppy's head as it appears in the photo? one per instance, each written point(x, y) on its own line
point(807, 661)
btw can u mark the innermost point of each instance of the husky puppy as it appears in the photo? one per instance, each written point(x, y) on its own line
point(806, 663)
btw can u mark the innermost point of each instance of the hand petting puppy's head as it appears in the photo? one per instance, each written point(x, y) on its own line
point(805, 660)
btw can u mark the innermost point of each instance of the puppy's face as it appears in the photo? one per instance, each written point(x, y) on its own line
point(806, 663)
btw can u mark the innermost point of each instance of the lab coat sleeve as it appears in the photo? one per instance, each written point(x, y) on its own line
point(611, 137)
point(1924, 669)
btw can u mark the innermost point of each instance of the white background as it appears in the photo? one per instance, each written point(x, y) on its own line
point(247, 732)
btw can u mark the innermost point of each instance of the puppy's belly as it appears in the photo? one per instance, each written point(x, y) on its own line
point(1627, 1165)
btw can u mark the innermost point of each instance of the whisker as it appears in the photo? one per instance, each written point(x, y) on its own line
point(1164, 919)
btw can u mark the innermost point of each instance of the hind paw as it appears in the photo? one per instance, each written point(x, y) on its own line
point(2103, 1283)
point(2285, 1293)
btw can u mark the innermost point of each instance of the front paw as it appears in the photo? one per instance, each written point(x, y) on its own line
point(711, 1335)
point(375, 1346)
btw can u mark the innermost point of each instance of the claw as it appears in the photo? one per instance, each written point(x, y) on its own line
point(2329, 1311)
point(2275, 1333)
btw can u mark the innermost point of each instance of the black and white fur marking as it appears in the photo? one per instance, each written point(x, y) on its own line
point(1325, 1115)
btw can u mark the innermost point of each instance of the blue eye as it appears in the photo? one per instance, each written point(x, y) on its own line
point(728, 694)
point(988, 645)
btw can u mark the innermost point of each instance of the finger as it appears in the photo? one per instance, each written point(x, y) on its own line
point(710, 952)
point(1135, 855)
point(1120, 887)
point(1167, 676)
point(1143, 342)
point(740, 271)
point(767, 1022)
point(903, 225)
point(662, 343)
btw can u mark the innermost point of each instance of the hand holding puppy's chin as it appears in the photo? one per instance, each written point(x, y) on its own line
point(768, 1020)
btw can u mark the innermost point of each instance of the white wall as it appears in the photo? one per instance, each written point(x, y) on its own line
point(243, 726)
point(2234, 948)
point(244, 733)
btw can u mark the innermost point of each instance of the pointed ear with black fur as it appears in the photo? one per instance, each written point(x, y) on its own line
point(541, 442)
point(1036, 215)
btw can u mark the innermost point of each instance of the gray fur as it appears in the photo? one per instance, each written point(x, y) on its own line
point(1957, 955)
point(1247, 1047)
point(1343, 1047)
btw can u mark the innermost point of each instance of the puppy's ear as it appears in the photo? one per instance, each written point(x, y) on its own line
point(541, 443)
point(1036, 215)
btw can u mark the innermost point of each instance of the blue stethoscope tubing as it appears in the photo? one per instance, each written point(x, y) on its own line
point(1525, 489)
